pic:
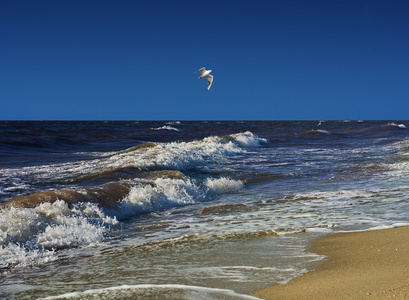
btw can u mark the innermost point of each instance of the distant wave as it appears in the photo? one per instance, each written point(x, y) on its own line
point(172, 158)
point(166, 128)
point(315, 132)
point(402, 126)
point(201, 155)
point(248, 139)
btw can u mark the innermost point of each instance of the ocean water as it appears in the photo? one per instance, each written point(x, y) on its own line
point(187, 210)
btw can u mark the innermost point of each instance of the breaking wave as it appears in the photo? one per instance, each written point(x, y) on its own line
point(166, 128)
point(30, 235)
point(33, 227)
point(203, 155)
point(402, 126)
point(316, 132)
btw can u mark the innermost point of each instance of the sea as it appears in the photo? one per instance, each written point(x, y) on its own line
point(187, 209)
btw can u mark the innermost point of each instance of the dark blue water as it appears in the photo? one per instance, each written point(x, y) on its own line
point(165, 207)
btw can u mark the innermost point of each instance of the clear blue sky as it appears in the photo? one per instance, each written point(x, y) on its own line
point(271, 59)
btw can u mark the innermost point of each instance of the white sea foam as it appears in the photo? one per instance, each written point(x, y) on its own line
point(319, 230)
point(32, 234)
point(399, 169)
point(73, 234)
point(335, 195)
point(36, 232)
point(247, 139)
point(18, 255)
point(168, 291)
point(402, 126)
point(247, 274)
point(166, 128)
point(163, 194)
point(223, 185)
point(176, 155)
point(166, 193)
point(324, 131)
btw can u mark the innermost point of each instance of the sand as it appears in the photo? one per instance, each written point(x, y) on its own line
point(359, 265)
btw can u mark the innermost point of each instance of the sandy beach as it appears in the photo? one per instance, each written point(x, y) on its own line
point(360, 265)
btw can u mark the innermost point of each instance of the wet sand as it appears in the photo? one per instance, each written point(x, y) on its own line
point(360, 265)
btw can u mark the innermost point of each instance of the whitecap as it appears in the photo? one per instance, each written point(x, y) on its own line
point(166, 128)
point(176, 155)
point(402, 126)
point(161, 194)
point(248, 139)
point(322, 131)
point(223, 185)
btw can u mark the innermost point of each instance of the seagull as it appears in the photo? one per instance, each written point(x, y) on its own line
point(207, 75)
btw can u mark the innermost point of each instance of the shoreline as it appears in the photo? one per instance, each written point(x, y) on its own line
point(359, 265)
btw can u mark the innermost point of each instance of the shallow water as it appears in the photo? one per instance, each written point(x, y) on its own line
point(190, 209)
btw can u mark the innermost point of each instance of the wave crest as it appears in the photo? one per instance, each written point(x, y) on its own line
point(223, 185)
point(248, 139)
point(38, 229)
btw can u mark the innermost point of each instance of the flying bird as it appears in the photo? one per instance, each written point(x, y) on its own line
point(206, 74)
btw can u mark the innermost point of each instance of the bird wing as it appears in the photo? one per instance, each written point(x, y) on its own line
point(202, 70)
point(209, 81)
